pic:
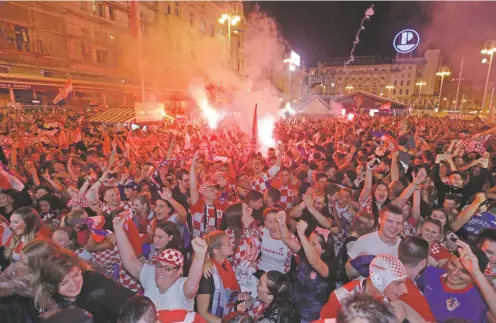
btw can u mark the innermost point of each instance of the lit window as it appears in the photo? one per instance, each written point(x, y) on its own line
point(176, 8)
point(101, 56)
point(100, 10)
point(111, 13)
point(401, 83)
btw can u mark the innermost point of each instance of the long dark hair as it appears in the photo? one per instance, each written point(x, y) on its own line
point(281, 310)
point(171, 229)
point(233, 215)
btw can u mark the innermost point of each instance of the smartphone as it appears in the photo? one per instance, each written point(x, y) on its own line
point(112, 175)
point(376, 162)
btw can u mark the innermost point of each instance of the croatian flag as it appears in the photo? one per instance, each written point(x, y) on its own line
point(65, 94)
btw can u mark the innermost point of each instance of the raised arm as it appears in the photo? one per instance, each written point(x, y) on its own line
point(285, 234)
point(196, 271)
point(312, 256)
point(408, 192)
point(467, 213)
point(126, 251)
point(367, 186)
point(193, 181)
point(166, 195)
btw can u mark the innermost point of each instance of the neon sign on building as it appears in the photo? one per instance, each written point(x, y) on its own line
point(406, 41)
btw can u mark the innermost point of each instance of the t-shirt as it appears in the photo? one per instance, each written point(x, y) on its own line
point(373, 245)
point(310, 289)
point(274, 254)
point(172, 299)
point(448, 303)
point(417, 301)
point(478, 222)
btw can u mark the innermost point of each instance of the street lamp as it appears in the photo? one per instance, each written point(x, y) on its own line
point(349, 88)
point(489, 49)
point(232, 20)
point(389, 87)
point(442, 72)
point(291, 68)
point(420, 84)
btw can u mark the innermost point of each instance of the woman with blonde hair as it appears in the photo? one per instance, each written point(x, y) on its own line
point(142, 206)
point(218, 293)
point(63, 279)
point(25, 224)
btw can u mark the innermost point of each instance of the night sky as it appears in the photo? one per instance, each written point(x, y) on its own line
point(316, 30)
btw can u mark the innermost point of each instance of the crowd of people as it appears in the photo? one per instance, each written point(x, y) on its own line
point(375, 219)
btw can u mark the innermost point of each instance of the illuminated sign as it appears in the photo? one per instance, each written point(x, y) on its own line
point(406, 41)
point(294, 59)
point(149, 112)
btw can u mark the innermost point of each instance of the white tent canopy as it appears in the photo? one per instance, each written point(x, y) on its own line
point(316, 106)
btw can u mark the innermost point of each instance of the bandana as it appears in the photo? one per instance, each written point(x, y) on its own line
point(385, 269)
point(169, 256)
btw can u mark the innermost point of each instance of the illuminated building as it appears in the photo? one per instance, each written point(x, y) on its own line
point(381, 76)
point(42, 44)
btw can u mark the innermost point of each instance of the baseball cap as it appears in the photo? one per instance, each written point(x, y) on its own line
point(169, 257)
point(133, 185)
point(206, 184)
point(385, 269)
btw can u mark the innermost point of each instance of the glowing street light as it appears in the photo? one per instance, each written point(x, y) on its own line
point(349, 88)
point(420, 84)
point(442, 72)
point(489, 50)
point(232, 20)
point(389, 87)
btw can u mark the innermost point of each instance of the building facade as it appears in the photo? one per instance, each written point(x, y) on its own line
point(42, 44)
point(394, 78)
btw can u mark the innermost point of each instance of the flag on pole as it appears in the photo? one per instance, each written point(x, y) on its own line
point(65, 93)
point(254, 131)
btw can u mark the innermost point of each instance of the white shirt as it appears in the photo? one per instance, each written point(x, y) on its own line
point(273, 254)
point(373, 245)
point(173, 299)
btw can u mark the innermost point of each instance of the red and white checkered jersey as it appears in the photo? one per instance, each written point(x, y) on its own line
point(213, 221)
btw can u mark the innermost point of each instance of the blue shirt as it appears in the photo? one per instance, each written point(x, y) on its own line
point(471, 230)
point(446, 303)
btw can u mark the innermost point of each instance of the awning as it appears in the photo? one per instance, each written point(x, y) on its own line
point(115, 115)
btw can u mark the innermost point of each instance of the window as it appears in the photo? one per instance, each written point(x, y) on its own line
point(168, 9)
point(394, 92)
point(220, 30)
point(22, 39)
point(202, 25)
point(212, 30)
point(85, 52)
point(408, 83)
point(409, 75)
point(407, 91)
point(239, 43)
point(101, 56)
point(374, 84)
point(176, 8)
point(111, 13)
point(100, 9)
point(239, 65)
point(410, 67)
point(401, 91)
point(39, 46)
point(395, 83)
point(191, 19)
point(401, 83)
